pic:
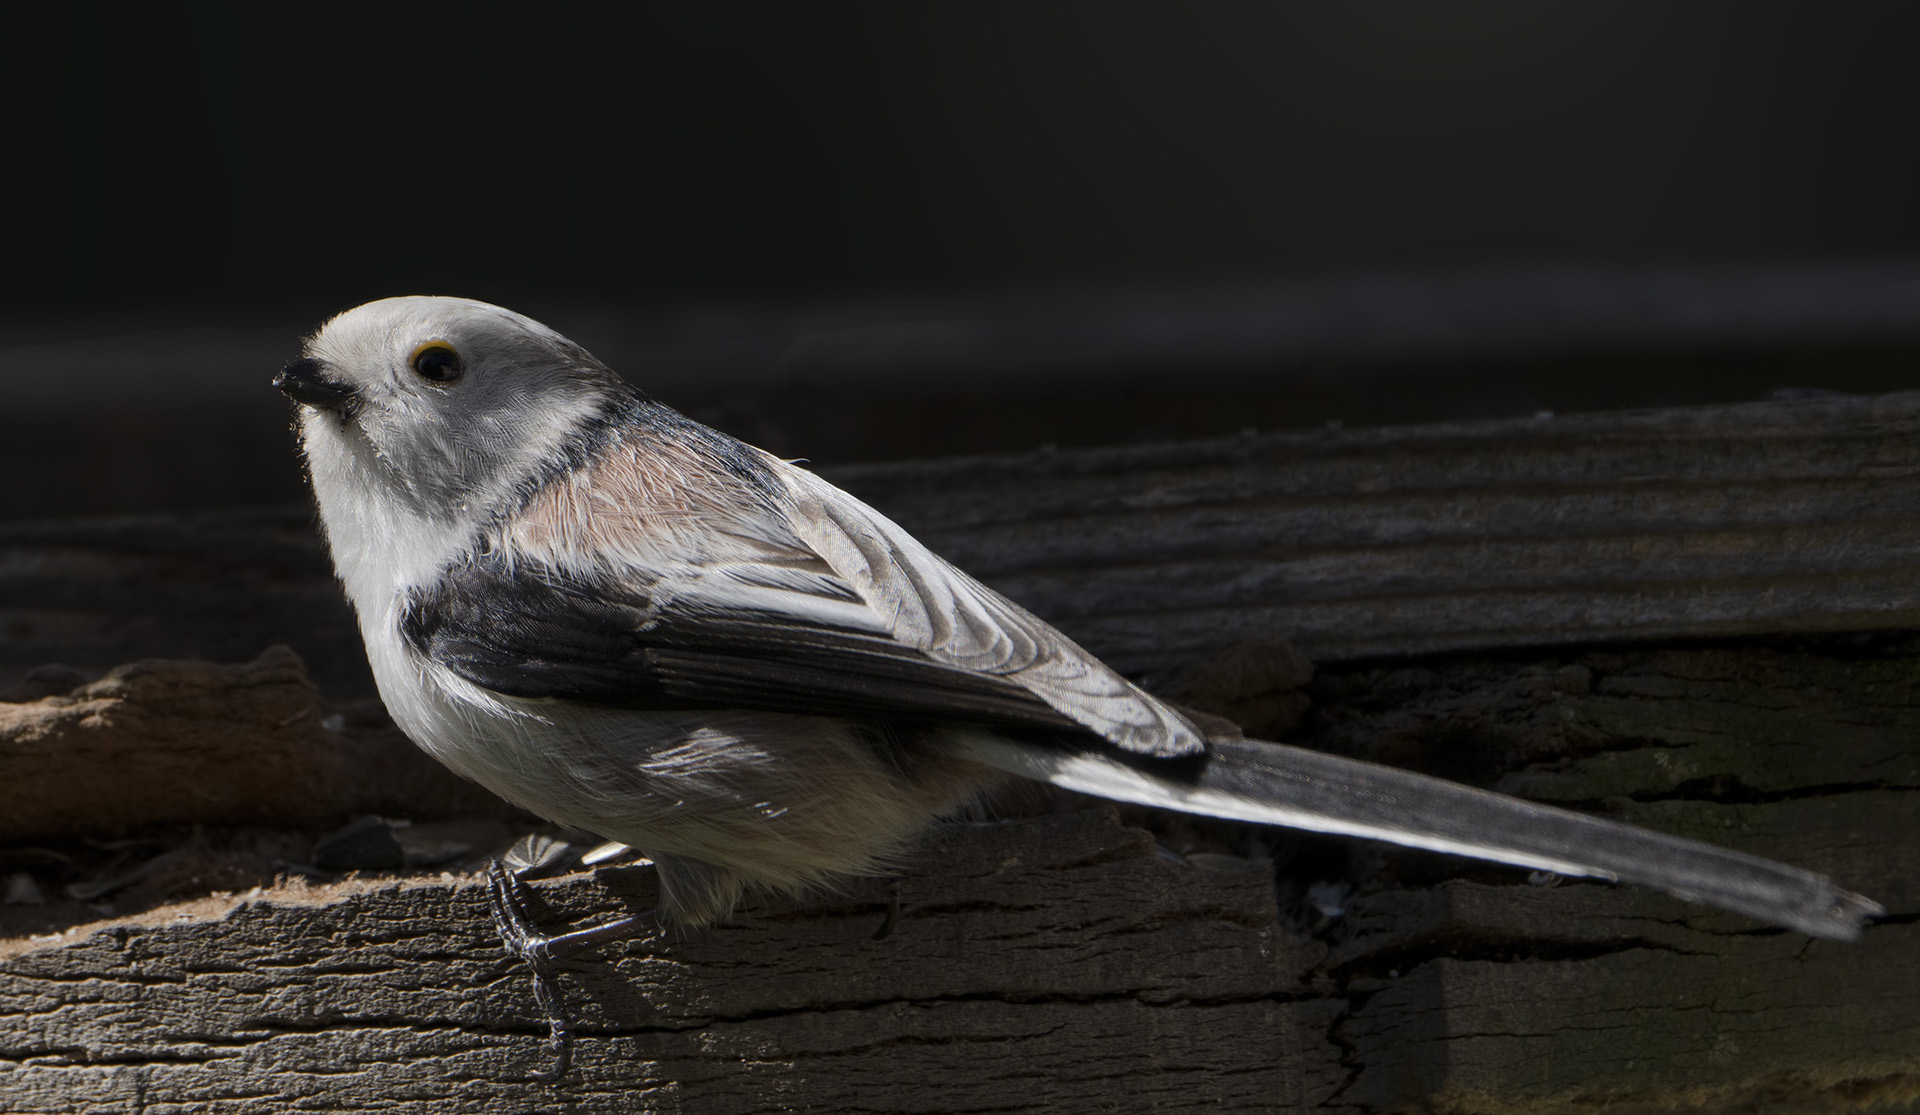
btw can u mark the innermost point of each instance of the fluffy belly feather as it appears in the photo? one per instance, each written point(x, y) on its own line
point(736, 797)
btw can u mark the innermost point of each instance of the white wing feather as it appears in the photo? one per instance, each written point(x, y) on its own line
point(929, 605)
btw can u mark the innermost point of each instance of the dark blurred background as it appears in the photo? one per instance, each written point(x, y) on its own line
point(862, 231)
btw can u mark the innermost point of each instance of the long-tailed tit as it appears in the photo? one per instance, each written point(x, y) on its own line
point(635, 625)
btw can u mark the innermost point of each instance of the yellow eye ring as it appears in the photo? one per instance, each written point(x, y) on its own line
point(436, 362)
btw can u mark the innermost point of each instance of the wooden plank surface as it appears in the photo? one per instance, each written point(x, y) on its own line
point(1370, 543)
point(163, 742)
point(1581, 998)
point(1352, 544)
point(1066, 962)
point(1043, 965)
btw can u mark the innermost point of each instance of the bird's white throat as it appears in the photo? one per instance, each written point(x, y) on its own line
point(384, 541)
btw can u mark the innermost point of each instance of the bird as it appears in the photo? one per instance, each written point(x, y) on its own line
point(634, 625)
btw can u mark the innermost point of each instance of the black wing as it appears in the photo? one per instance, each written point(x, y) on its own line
point(540, 633)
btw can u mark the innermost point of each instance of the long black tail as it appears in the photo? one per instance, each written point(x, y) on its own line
point(1272, 783)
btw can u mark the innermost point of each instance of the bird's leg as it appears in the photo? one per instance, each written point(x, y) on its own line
point(506, 895)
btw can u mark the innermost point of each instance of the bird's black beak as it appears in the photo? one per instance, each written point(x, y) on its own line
point(304, 382)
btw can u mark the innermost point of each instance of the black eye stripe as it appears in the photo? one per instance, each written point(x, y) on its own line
point(437, 363)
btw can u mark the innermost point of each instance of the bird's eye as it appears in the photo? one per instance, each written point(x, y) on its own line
point(437, 362)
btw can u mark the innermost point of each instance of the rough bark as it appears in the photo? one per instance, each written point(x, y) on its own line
point(1056, 964)
point(170, 742)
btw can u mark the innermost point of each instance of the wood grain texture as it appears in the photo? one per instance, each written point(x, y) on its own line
point(1752, 1023)
point(1708, 522)
point(1805, 755)
point(1068, 963)
point(1047, 965)
point(162, 742)
point(1351, 544)
point(1471, 997)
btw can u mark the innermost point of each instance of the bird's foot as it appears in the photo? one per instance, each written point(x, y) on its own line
point(506, 896)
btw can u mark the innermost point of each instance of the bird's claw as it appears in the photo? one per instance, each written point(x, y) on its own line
point(506, 897)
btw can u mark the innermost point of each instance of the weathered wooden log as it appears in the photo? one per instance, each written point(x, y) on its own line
point(1067, 964)
point(1476, 998)
point(1469, 998)
point(1768, 517)
point(1350, 544)
point(168, 742)
point(1055, 964)
point(1058, 965)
